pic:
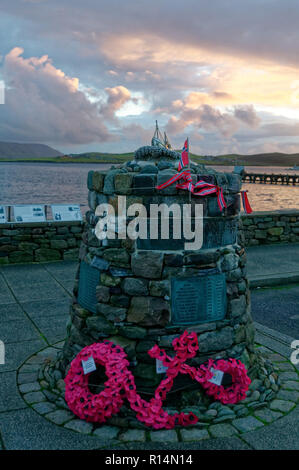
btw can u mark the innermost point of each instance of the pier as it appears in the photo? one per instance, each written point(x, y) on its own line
point(264, 178)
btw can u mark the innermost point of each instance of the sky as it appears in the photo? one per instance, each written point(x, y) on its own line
point(94, 75)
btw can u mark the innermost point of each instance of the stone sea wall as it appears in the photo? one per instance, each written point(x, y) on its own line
point(266, 228)
point(32, 242)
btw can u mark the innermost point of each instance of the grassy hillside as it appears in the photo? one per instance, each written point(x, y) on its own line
point(15, 151)
point(264, 159)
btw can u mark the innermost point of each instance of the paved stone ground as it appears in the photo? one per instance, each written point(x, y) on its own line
point(270, 265)
point(277, 308)
point(34, 301)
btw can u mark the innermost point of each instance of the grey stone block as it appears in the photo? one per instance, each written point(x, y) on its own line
point(79, 426)
point(194, 434)
point(60, 416)
point(247, 424)
point(282, 405)
point(222, 430)
point(133, 435)
point(167, 435)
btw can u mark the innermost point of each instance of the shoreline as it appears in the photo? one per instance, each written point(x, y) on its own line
point(115, 162)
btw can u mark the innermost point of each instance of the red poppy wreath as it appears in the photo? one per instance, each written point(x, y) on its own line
point(121, 384)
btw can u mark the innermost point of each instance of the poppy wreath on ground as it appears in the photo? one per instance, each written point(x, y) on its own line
point(121, 384)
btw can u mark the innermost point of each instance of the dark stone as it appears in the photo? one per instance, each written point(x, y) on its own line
point(173, 259)
point(147, 264)
point(109, 180)
point(120, 256)
point(208, 178)
point(144, 184)
point(234, 182)
point(123, 183)
point(233, 204)
point(115, 290)
point(216, 340)
point(144, 346)
point(202, 258)
point(110, 281)
point(159, 288)
point(99, 324)
point(97, 181)
point(132, 286)
point(148, 311)
point(102, 294)
point(134, 332)
point(100, 263)
point(149, 169)
point(164, 165)
point(89, 180)
point(120, 300)
point(120, 272)
point(164, 176)
point(113, 314)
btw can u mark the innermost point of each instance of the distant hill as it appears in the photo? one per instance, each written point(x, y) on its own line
point(12, 150)
point(261, 159)
point(44, 153)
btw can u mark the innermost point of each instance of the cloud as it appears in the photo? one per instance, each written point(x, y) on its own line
point(43, 104)
point(209, 69)
point(248, 115)
point(117, 97)
point(209, 118)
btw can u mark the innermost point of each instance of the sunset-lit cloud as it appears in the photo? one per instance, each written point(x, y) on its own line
point(98, 74)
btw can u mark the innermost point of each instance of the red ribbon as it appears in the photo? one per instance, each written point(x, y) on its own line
point(201, 188)
point(245, 202)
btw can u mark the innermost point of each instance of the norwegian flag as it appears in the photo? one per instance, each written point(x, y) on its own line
point(184, 160)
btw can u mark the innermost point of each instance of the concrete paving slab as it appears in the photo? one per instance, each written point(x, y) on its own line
point(6, 296)
point(277, 309)
point(26, 430)
point(53, 328)
point(272, 259)
point(17, 353)
point(282, 434)
point(62, 270)
point(9, 312)
point(68, 285)
point(37, 291)
point(20, 272)
point(46, 308)
point(229, 443)
point(268, 337)
point(10, 398)
point(270, 265)
point(17, 331)
point(24, 281)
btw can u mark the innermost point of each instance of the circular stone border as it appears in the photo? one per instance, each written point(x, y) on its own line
point(44, 392)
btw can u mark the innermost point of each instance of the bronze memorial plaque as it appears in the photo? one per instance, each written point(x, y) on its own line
point(198, 299)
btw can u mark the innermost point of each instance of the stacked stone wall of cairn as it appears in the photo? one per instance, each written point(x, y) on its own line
point(134, 291)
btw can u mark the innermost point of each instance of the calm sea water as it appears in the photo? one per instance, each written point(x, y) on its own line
point(27, 183)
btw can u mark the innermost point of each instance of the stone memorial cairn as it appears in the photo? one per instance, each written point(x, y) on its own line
point(146, 292)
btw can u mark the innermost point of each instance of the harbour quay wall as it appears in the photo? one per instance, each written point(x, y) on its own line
point(267, 228)
point(53, 241)
point(39, 242)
